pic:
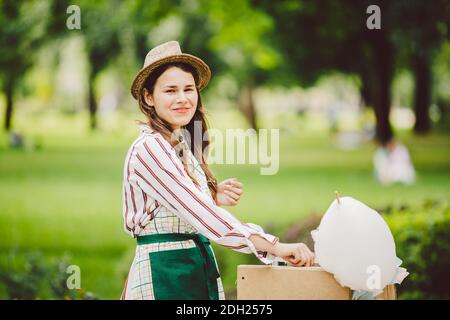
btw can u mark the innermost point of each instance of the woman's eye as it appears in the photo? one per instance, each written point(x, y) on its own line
point(189, 90)
point(170, 91)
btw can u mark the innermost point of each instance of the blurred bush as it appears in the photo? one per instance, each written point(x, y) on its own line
point(38, 278)
point(422, 236)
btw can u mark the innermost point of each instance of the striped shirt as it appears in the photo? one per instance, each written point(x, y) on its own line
point(155, 180)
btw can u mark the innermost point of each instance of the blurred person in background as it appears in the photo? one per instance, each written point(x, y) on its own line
point(392, 164)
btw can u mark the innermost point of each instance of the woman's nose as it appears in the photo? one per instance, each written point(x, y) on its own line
point(181, 97)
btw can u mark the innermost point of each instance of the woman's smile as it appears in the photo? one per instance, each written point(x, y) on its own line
point(181, 110)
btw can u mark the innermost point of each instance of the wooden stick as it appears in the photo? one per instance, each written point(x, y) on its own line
point(337, 197)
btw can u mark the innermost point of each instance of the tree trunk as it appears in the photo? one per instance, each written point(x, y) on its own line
point(92, 104)
point(9, 89)
point(381, 85)
point(422, 96)
point(366, 90)
point(247, 105)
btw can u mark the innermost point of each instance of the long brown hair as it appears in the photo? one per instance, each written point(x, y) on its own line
point(163, 127)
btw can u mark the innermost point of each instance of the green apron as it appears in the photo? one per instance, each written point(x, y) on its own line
point(183, 274)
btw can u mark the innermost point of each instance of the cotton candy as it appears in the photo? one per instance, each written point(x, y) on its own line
point(355, 244)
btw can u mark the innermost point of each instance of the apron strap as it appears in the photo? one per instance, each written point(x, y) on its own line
point(171, 237)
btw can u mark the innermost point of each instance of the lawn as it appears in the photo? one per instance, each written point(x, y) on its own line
point(65, 197)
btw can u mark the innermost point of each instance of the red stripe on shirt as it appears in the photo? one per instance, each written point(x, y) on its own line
point(173, 195)
point(175, 164)
point(131, 188)
point(234, 234)
point(187, 189)
point(130, 155)
point(145, 201)
point(151, 213)
point(148, 182)
point(168, 154)
point(195, 182)
point(242, 246)
point(132, 199)
point(126, 211)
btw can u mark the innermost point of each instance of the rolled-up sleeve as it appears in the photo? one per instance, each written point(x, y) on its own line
point(159, 173)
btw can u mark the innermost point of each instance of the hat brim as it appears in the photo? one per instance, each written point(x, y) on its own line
point(203, 71)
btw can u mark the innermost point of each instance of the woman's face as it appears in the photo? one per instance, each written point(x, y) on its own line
point(174, 97)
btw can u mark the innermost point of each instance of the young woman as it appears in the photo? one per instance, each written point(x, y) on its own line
point(172, 203)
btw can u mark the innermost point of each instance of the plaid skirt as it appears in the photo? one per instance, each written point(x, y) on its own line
point(173, 267)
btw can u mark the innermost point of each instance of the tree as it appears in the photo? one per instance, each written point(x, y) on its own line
point(24, 28)
point(420, 28)
point(100, 31)
point(317, 37)
point(242, 41)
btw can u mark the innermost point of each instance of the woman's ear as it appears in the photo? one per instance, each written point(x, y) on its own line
point(148, 98)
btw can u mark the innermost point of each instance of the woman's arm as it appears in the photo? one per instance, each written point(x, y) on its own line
point(297, 254)
point(157, 171)
point(159, 175)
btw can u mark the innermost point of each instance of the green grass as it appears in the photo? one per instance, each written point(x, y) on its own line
point(66, 196)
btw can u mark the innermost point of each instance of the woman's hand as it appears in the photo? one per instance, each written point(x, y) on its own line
point(298, 254)
point(229, 192)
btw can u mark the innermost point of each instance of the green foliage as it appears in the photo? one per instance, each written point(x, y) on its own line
point(26, 284)
point(38, 278)
point(24, 28)
point(422, 236)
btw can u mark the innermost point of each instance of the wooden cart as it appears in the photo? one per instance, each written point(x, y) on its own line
point(259, 282)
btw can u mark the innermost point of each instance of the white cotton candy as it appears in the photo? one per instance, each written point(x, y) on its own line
point(354, 243)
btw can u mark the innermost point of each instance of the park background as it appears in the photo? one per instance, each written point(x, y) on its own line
point(312, 69)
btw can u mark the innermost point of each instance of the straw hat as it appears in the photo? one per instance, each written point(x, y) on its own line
point(169, 52)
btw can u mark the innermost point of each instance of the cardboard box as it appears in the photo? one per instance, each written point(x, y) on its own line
point(259, 282)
